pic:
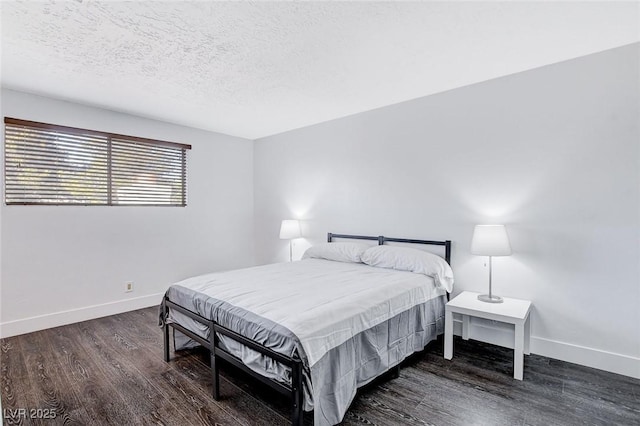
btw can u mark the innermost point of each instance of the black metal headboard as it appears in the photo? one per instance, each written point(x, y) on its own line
point(381, 240)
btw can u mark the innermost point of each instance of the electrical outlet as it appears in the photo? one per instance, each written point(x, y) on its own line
point(128, 287)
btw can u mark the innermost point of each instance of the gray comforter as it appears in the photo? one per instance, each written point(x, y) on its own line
point(331, 383)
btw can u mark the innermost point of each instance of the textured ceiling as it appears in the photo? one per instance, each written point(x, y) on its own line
point(260, 68)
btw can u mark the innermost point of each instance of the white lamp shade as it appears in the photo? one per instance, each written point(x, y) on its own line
point(290, 229)
point(490, 240)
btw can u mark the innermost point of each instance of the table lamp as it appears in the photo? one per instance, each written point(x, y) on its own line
point(490, 240)
point(289, 230)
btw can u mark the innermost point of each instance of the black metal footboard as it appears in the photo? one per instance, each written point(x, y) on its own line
point(294, 391)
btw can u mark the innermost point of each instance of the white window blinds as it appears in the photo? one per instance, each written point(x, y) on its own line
point(56, 165)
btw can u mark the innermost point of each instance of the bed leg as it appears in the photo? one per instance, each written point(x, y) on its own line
point(297, 414)
point(395, 372)
point(167, 357)
point(215, 373)
point(215, 377)
point(165, 330)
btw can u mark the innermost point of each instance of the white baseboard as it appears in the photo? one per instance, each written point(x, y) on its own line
point(497, 334)
point(41, 322)
point(596, 358)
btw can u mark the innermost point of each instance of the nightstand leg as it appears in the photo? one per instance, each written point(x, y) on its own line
point(465, 327)
point(527, 336)
point(448, 334)
point(518, 353)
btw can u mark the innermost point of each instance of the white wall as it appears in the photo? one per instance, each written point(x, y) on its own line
point(62, 264)
point(553, 153)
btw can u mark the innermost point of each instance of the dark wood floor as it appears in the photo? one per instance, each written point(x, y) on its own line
point(111, 371)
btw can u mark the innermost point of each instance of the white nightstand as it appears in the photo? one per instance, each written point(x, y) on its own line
point(512, 311)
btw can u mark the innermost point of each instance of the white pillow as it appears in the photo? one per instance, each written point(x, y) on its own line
point(340, 252)
point(412, 260)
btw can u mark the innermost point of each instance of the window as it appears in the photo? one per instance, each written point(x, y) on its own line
point(56, 165)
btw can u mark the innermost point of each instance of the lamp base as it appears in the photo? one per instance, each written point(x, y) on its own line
point(490, 299)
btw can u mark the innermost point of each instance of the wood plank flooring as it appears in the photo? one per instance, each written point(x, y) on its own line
point(110, 371)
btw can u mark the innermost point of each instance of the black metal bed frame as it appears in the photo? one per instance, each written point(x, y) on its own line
point(293, 391)
point(381, 240)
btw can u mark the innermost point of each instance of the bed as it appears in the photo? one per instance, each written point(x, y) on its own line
point(316, 329)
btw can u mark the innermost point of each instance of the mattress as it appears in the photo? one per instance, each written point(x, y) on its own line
point(347, 322)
